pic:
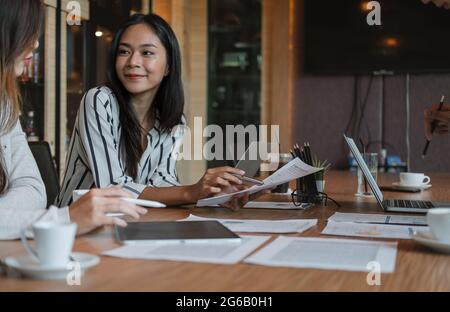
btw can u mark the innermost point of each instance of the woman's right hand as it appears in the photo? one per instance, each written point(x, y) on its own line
point(214, 181)
point(89, 212)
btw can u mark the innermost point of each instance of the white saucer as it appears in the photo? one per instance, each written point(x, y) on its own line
point(427, 239)
point(422, 187)
point(30, 268)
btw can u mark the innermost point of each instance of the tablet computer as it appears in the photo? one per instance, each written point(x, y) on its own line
point(251, 160)
point(175, 232)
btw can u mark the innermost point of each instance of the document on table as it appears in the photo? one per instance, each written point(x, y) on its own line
point(276, 205)
point(327, 253)
point(378, 218)
point(292, 170)
point(262, 226)
point(372, 230)
point(225, 253)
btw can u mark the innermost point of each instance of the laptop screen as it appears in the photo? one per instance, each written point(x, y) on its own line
point(365, 170)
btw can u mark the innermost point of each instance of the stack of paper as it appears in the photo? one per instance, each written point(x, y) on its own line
point(324, 253)
point(226, 253)
point(372, 230)
point(262, 226)
point(378, 218)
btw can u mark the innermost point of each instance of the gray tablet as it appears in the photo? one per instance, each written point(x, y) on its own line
point(251, 163)
point(175, 232)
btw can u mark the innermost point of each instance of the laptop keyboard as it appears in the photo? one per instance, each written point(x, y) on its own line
point(412, 204)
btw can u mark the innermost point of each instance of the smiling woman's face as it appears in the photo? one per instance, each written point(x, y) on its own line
point(141, 61)
point(24, 59)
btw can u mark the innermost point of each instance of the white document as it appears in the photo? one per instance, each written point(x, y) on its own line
point(327, 253)
point(276, 205)
point(292, 170)
point(372, 230)
point(262, 226)
point(211, 252)
point(378, 218)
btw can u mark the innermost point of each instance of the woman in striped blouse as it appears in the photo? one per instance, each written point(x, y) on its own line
point(129, 132)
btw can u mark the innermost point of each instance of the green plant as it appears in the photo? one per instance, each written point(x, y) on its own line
point(319, 175)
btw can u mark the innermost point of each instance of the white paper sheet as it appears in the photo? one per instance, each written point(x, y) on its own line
point(378, 218)
point(262, 226)
point(211, 253)
point(276, 205)
point(292, 170)
point(372, 230)
point(327, 253)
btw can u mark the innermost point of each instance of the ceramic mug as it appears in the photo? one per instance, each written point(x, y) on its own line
point(438, 220)
point(54, 242)
point(414, 179)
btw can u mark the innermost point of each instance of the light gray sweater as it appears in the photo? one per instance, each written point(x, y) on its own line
point(24, 201)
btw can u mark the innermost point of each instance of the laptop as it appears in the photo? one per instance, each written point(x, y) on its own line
point(395, 205)
point(144, 233)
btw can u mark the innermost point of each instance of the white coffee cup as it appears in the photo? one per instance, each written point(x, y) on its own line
point(414, 179)
point(438, 220)
point(54, 243)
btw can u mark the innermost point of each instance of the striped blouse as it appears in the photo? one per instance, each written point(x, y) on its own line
point(94, 159)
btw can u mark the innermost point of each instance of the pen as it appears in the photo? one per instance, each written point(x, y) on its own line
point(292, 154)
point(433, 126)
point(247, 179)
point(308, 153)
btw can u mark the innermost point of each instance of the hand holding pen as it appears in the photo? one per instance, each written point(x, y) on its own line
point(437, 119)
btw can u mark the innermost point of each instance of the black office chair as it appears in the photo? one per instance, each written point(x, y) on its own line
point(46, 165)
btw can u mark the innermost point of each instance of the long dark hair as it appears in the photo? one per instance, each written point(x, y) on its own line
point(168, 103)
point(20, 26)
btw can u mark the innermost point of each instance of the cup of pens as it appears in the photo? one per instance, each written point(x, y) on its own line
point(364, 190)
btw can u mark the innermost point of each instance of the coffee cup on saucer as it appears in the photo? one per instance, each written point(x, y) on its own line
point(414, 179)
point(438, 220)
point(53, 243)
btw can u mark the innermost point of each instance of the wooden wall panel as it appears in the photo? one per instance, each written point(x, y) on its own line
point(280, 66)
point(189, 22)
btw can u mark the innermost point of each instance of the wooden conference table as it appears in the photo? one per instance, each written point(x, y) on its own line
point(417, 268)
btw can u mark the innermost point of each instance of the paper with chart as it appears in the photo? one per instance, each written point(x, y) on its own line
point(225, 253)
point(292, 170)
point(372, 230)
point(327, 253)
point(378, 218)
point(262, 226)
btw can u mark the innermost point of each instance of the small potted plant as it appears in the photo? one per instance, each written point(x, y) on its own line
point(320, 175)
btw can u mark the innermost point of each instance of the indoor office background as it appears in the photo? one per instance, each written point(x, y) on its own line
point(264, 62)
